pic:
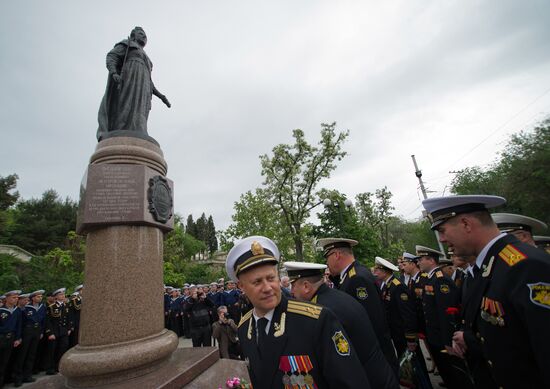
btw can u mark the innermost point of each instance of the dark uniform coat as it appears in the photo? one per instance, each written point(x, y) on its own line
point(32, 328)
point(359, 283)
point(400, 313)
point(416, 287)
point(58, 322)
point(507, 308)
point(306, 335)
point(10, 331)
point(440, 293)
point(75, 305)
point(359, 328)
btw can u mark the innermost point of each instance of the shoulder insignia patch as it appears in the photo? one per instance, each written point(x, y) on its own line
point(511, 255)
point(404, 296)
point(305, 309)
point(425, 275)
point(362, 293)
point(444, 288)
point(341, 344)
point(439, 274)
point(245, 317)
point(539, 294)
point(352, 272)
point(396, 282)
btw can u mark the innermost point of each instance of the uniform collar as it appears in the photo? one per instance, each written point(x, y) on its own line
point(485, 250)
point(343, 272)
point(430, 274)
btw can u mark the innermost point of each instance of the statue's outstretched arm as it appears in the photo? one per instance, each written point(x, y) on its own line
point(160, 95)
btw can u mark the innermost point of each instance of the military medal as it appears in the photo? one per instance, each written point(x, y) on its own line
point(286, 380)
point(294, 379)
point(492, 312)
point(308, 379)
point(300, 380)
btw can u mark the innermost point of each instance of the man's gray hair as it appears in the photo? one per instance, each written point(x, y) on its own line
point(221, 307)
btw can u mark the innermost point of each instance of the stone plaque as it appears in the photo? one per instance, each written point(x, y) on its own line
point(118, 194)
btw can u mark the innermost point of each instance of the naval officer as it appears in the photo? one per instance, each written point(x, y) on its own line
point(288, 343)
point(507, 304)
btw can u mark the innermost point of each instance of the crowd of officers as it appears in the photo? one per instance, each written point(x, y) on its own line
point(193, 310)
point(482, 310)
point(34, 334)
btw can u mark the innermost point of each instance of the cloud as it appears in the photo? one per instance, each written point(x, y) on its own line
point(428, 78)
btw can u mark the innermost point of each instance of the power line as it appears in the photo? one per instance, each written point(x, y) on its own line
point(499, 128)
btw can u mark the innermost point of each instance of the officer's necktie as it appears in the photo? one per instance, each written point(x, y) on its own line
point(261, 335)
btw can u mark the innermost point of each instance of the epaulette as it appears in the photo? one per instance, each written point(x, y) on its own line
point(245, 317)
point(303, 308)
point(396, 282)
point(511, 255)
point(352, 272)
point(424, 275)
point(439, 274)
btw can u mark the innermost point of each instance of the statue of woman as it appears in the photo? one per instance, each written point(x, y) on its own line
point(127, 101)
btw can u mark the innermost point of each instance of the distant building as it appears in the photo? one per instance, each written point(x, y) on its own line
point(17, 252)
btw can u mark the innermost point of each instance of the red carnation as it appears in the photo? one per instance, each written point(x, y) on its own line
point(451, 311)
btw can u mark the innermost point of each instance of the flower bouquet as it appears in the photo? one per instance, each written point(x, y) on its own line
point(237, 383)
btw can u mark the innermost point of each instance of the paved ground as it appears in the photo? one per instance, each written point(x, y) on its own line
point(436, 380)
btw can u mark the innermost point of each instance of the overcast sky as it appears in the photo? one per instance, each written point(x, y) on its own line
point(448, 81)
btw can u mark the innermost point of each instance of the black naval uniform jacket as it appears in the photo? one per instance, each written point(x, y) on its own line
point(416, 289)
point(359, 283)
point(357, 324)
point(306, 330)
point(400, 313)
point(58, 320)
point(507, 309)
point(439, 293)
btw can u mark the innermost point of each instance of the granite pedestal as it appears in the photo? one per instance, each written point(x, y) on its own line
point(126, 207)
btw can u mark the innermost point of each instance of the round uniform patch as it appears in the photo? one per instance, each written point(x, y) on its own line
point(362, 293)
point(341, 344)
point(444, 289)
point(404, 296)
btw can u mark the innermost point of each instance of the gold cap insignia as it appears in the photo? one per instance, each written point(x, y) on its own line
point(257, 248)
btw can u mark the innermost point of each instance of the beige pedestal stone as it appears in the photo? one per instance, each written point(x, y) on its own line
point(122, 333)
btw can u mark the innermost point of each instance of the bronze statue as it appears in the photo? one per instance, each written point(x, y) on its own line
point(127, 101)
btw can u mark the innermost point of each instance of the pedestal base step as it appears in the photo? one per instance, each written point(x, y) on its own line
point(189, 368)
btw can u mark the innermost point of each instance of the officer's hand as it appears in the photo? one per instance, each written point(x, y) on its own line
point(458, 338)
point(17, 343)
point(449, 350)
point(411, 346)
point(457, 350)
point(117, 78)
point(51, 337)
point(69, 332)
point(41, 336)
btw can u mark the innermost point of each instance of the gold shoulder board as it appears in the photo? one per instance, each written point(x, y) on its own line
point(396, 282)
point(511, 255)
point(306, 309)
point(439, 274)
